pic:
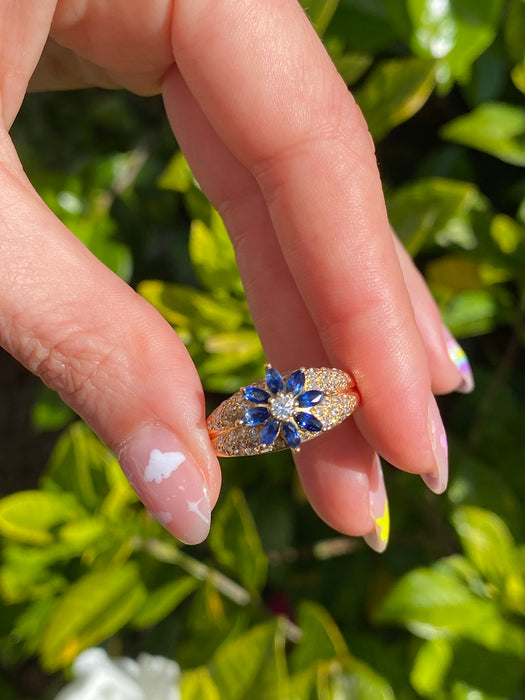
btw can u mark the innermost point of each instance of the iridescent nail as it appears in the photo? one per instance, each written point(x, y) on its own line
point(459, 358)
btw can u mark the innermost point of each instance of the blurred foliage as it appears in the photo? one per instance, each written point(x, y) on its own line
point(274, 604)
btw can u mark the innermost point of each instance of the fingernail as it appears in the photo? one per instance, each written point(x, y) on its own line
point(437, 480)
point(379, 510)
point(161, 470)
point(459, 358)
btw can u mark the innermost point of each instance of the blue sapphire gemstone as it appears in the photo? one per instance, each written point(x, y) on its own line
point(269, 432)
point(295, 382)
point(309, 398)
point(255, 415)
point(274, 381)
point(291, 435)
point(308, 422)
point(256, 395)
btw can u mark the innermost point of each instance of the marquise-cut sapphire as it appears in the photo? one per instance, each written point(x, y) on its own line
point(274, 381)
point(255, 415)
point(256, 395)
point(291, 435)
point(295, 382)
point(309, 398)
point(308, 422)
point(269, 432)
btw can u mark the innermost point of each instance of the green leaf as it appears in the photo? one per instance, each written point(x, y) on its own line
point(177, 175)
point(494, 127)
point(79, 464)
point(235, 543)
point(190, 311)
point(320, 13)
point(470, 313)
point(321, 638)
point(49, 412)
point(394, 91)
point(514, 30)
point(163, 600)
point(197, 684)
point(430, 667)
point(29, 516)
point(26, 573)
point(487, 542)
point(433, 210)
point(92, 609)
point(252, 666)
point(456, 32)
point(213, 258)
point(359, 682)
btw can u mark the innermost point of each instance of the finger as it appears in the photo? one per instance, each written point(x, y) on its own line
point(335, 470)
point(449, 366)
point(292, 123)
point(109, 354)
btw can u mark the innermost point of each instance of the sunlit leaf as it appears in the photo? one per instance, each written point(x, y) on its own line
point(30, 516)
point(433, 210)
point(394, 91)
point(320, 13)
point(252, 665)
point(470, 313)
point(235, 543)
point(27, 573)
point(518, 75)
point(487, 542)
point(455, 31)
point(49, 412)
point(514, 30)
point(212, 256)
point(508, 233)
point(430, 667)
point(494, 127)
point(454, 273)
point(79, 464)
point(163, 600)
point(321, 639)
point(92, 609)
point(177, 175)
point(197, 684)
point(186, 308)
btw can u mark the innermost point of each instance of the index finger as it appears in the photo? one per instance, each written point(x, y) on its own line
point(291, 121)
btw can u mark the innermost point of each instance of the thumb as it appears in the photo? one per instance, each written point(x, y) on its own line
point(110, 356)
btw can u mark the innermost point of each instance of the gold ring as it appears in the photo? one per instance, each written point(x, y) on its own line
point(282, 412)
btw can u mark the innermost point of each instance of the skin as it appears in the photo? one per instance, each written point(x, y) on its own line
point(283, 152)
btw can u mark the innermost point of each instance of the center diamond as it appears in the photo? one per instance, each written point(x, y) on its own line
point(283, 407)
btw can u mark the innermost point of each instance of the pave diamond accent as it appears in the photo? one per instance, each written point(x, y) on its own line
point(232, 437)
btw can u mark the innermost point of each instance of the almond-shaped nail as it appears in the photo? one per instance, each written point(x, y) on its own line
point(379, 510)
point(162, 471)
point(437, 479)
point(460, 360)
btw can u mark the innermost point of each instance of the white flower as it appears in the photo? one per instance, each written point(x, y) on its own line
point(98, 677)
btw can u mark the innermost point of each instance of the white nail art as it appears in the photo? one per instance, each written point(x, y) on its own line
point(193, 507)
point(162, 465)
point(163, 517)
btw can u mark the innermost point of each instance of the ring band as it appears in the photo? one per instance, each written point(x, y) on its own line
point(282, 412)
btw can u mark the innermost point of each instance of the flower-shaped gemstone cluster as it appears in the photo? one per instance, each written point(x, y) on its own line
point(282, 407)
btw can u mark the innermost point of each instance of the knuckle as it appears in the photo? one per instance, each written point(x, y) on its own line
point(78, 367)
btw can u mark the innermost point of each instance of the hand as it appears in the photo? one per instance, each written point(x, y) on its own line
point(281, 149)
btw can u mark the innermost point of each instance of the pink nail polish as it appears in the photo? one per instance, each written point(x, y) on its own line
point(161, 470)
point(379, 510)
point(437, 479)
point(459, 358)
